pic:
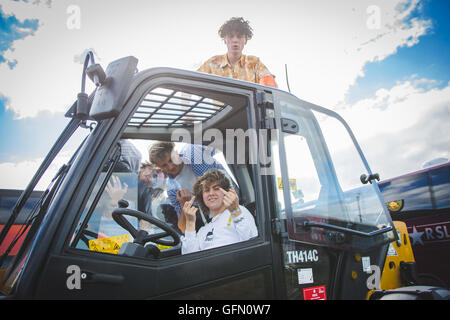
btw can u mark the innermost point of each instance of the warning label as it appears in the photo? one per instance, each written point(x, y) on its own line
point(315, 293)
point(108, 245)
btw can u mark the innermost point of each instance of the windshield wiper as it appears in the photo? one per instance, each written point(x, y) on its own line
point(307, 225)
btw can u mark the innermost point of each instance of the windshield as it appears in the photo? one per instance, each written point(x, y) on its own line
point(20, 225)
point(323, 198)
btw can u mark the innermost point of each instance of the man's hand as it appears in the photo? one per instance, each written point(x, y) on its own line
point(183, 195)
point(230, 200)
point(115, 190)
point(189, 212)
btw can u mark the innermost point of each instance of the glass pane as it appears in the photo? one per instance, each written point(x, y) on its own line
point(281, 207)
point(304, 184)
point(100, 227)
point(361, 202)
point(324, 169)
point(19, 240)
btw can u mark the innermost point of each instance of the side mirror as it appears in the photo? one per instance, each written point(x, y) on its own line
point(365, 178)
point(112, 89)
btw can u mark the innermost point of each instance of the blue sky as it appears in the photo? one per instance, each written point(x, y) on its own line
point(27, 138)
point(430, 58)
point(11, 29)
point(388, 82)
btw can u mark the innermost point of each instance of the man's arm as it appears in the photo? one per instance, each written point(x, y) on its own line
point(189, 243)
point(244, 224)
point(172, 195)
point(205, 67)
point(264, 76)
point(242, 219)
point(183, 195)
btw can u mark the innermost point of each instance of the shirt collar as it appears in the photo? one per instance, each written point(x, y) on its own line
point(224, 62)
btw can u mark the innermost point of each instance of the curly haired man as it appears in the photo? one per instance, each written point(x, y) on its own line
point(235, 33)
point(231, 223)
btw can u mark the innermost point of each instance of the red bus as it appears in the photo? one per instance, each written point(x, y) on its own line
point(8, 199)
point(422, 200)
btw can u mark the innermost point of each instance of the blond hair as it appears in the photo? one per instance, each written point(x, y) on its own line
point(159, 150)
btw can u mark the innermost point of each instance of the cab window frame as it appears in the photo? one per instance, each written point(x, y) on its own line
point(249, 110)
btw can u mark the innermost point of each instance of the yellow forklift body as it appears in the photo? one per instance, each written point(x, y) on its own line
point(399, 251)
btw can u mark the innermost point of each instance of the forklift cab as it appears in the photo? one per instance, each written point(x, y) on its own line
point(323, 231)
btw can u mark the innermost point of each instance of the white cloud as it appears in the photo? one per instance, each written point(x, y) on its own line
point(394, 109)
point(17, 175)
point(327, 47)
point(402, 127)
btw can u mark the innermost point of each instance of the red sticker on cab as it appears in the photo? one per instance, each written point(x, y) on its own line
point(315, 293)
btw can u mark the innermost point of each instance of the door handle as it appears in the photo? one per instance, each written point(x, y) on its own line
point(95, 277)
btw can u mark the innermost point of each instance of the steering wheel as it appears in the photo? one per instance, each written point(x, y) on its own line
point(142, 236)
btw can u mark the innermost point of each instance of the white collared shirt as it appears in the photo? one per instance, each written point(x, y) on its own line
point(221, 231)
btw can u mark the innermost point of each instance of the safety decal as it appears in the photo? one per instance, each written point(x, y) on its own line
point(110, 244)
point(366, 264)
point(391, 251)
point(163, 247)
point(315, 293)
point(305, 276)
point(292, 184)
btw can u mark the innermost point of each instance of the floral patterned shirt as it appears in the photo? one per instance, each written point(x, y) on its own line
point(249, 68)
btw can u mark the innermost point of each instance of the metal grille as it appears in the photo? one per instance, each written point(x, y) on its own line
point(172, 108)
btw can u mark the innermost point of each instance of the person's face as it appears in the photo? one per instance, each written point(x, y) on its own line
point(145, 175)
point(170, 164)
point(235, 43)
point(213, 197)
point(152, 178)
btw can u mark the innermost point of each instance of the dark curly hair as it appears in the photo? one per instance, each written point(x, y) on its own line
point(236, 25)
point(205, 181)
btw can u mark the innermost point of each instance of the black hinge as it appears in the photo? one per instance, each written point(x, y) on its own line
point(260, 98)
point(263, 100)
point(289, 126)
